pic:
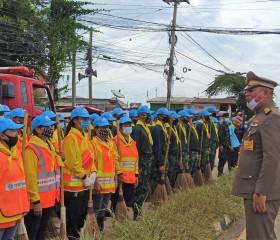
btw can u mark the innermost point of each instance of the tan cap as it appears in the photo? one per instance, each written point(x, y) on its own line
point(252, 80)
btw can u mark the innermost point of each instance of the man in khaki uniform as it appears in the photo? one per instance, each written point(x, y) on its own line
point(257, 178)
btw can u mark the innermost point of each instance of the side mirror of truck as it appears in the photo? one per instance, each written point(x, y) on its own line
point(55, 94)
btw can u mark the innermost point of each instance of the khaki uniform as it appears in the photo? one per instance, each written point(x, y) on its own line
point(259, 171)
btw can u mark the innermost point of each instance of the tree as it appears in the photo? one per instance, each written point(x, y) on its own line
point(232, 84)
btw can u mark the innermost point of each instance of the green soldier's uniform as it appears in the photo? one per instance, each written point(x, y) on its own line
point(159, 134)
point(224, 140)
point(144, 142)
point(204, 142)
point(173, 155)
point(214, 141)
point(113, 129)
point(193, 147)
point(183, 137)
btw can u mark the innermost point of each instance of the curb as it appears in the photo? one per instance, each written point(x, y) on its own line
point(222, 225)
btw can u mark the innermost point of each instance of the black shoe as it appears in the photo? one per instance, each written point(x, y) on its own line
point(100, 222)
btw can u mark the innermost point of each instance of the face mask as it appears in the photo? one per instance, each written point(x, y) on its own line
point(226, 119)
point(186, 121)
point(61, 125)
point(12, 141)
point(165, 119)
point(175, 122)
point(48, 132)
point(148, 119)
point(206, 118)
point(104, 132)
point(85, 124)
point(134, 121)
point(253, 104)
point(127, 130)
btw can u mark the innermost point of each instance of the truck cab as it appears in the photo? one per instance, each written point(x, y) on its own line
point(19, 88)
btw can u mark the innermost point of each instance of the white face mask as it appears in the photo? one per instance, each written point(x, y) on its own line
point(61, 124)
point(226, 119)
point(127, 130)
point(253, 104)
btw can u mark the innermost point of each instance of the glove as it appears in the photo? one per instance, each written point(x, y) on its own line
point(93, 176)
point(88, 183)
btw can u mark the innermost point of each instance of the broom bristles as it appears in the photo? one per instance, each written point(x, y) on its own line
point(21, 232)
point(189, 180)
point(198, 179)
point(181, 182)
point(160, 193)
point(208, 173)
point(121, 212)
point(91, 225)
point(168, 187)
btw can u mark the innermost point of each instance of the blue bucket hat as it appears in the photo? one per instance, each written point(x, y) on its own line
point(50, 114)
point(174, 114)
point(153, 117)
point(212, 109)
point(41, 120)
point(79, 112)
point(108, 116)
point(101, 122)
point(7, 124)
point(162, 110)
point(133, 113)
point(93, 116)
point(191, 111)
point(16, 112)
point(204, 112)
point(184, 113)
point(124, 119)
point(117, 111)
point(4, 108)
point(144, 109)
point(7, 115)
point(215, 120)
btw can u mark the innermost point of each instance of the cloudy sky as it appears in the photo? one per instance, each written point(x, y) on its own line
point(133, 34)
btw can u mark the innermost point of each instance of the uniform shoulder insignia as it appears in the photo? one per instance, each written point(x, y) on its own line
point(267, 110)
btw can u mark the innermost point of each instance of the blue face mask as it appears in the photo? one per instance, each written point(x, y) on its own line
point(85, 124)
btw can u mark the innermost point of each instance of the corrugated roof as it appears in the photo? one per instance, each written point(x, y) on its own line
point(184, 100)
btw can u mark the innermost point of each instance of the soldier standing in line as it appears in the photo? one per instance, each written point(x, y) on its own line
point(214, 139)
point(257, 177)
point(144, 142)
point(193, 141)
point(204, 137)
point(224, 143)
point(117, 113)
point(173, 152)
point(160, 137)
point(134, 117)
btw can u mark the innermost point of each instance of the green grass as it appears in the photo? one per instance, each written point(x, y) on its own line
point(187, 215)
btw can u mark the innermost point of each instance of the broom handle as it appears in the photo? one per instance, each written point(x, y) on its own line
point(180, 146)
point(168, 140)
point(24, 135)
point(118, 145)
point(201, 137)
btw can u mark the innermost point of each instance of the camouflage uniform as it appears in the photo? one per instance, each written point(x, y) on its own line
point(173, 157)
point(214, 142)
point(193, 147)
point(159, 149)
point(224, 140)
point(204, 144)
point(146, 157)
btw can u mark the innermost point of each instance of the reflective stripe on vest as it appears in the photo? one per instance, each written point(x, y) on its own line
point(15, 185)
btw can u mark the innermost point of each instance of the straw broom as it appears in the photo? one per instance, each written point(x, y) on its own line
point(181, 181)
point(187, 173)
point(21, 231)
point(91, 225)
point(199, 181)
point(121, 212)
point(208, 173)
point(161, 193)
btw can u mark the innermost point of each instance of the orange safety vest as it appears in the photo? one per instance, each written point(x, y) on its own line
point(71, 182)
point(106, 165)
point(128, 160)
point(13, 192)
point(48, 180)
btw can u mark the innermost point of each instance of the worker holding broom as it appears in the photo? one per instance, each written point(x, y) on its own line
point(79, 172)
point(128, 162)
point(105, 155)
point(174, 151)
point(42, 176)
point(144, 143)
point(14, 202)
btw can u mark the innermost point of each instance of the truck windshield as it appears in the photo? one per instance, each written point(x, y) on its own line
point(42, 98)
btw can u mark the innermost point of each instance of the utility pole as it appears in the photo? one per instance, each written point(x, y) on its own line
point(90, 67)
point(74, 79)
point(171, 57)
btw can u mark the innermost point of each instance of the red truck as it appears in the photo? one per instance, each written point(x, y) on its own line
point(20, 88)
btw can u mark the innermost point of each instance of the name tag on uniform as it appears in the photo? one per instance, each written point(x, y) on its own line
point(248, 145)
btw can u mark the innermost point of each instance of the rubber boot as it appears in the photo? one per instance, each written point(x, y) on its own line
point(100, 222)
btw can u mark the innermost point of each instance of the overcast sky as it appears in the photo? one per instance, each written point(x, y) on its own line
point(149, 47)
